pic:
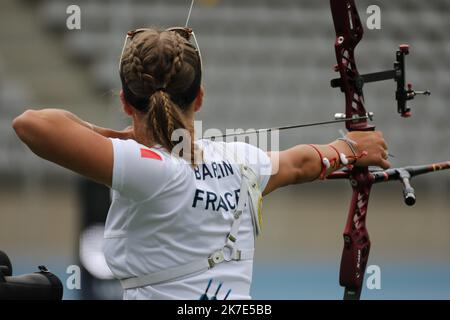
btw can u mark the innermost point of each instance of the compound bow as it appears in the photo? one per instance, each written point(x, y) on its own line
point(349, 32)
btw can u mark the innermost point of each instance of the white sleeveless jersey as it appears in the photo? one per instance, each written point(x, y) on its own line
point(164, 214)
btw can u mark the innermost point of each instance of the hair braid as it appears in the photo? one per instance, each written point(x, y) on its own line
point(168, 110)
point(142, 82)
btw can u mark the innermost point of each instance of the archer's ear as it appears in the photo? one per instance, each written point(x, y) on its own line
point(126, 107)
point(198, 102)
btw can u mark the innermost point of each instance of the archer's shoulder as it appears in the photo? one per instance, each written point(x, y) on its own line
point(134, 149)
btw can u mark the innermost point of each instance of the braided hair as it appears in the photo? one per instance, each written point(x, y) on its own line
point(161, 76)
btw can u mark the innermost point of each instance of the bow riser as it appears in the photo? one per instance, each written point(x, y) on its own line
point(349, 32)
point(355, 254)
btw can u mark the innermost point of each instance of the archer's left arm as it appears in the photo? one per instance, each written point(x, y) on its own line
point(304, 163)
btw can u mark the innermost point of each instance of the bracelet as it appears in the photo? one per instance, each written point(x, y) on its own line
point(355, 156)
point(350, 145)
point(325, 162)
point(345, 159)
point(342, 156)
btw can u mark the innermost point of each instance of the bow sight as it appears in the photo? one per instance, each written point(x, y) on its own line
point(403, 93)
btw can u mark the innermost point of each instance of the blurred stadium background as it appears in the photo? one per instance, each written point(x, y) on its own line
point(266, 63)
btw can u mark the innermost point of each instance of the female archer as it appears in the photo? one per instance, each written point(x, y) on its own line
point(179, 219)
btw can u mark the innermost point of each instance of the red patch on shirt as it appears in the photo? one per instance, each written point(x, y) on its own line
point(146, 153)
